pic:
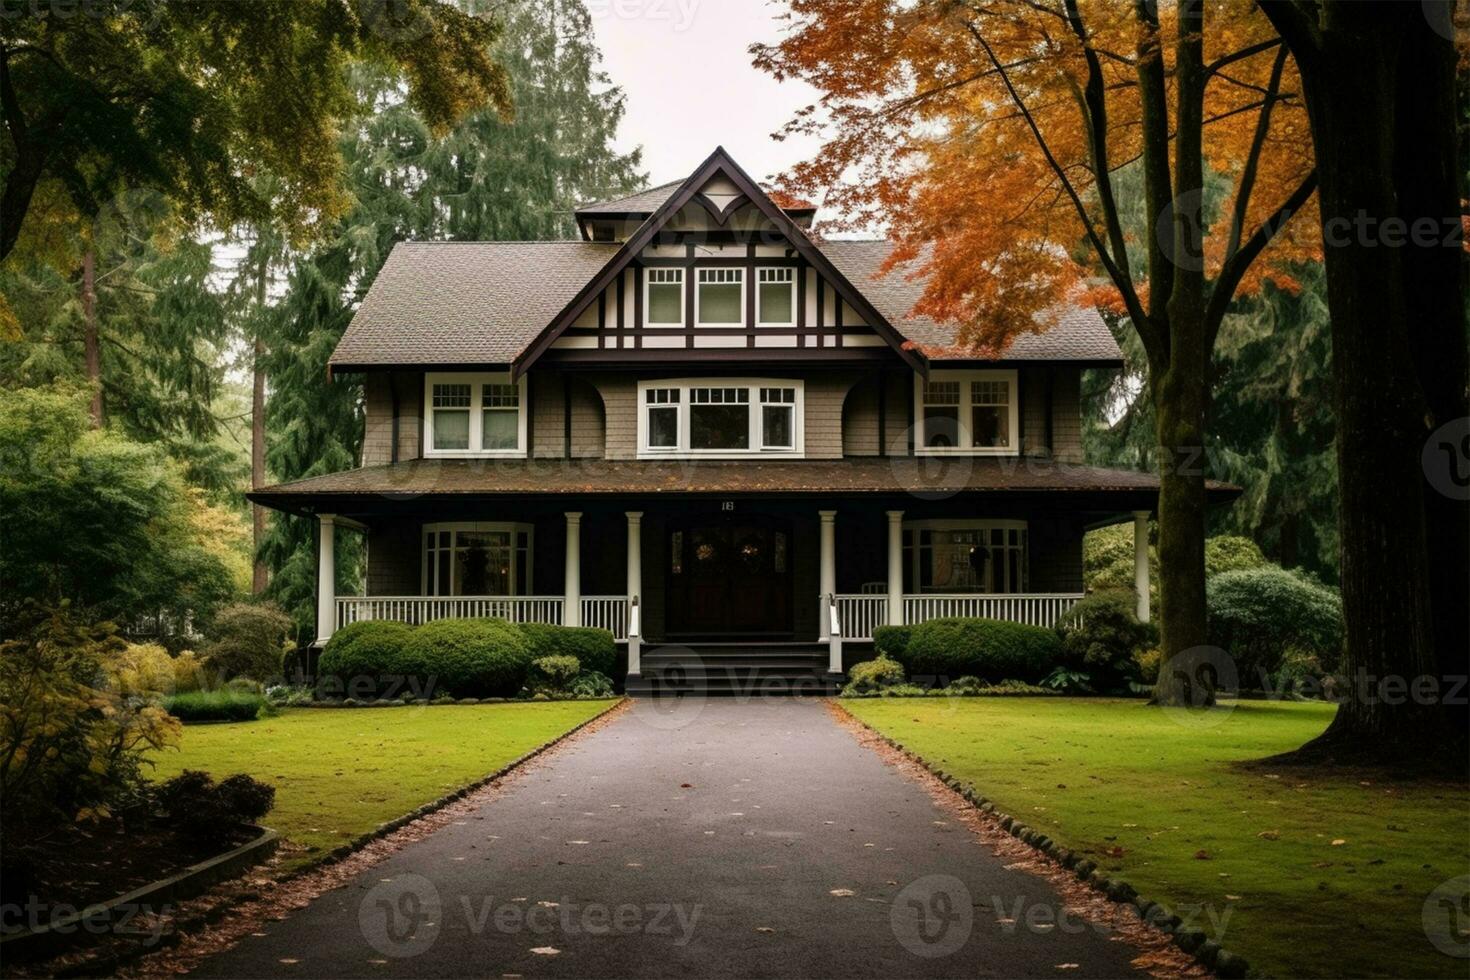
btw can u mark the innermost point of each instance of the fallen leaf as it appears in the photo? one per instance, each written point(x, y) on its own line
point(546, 951)
point(1067, 966)
point(686, 785)
point(1339, 842)
point(842, 892)
point(288, 962)
point(1269, 835)
point(1202, 856)
point(764, 929)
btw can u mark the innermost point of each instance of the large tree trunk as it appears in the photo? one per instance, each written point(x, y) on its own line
point(1362, 67)
point(89, 334)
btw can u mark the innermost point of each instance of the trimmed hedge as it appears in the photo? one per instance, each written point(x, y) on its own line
point(366, 650)
point(1257, 615)
point(469, 658)
point(593, 648)
point(892, 641)
point(221, 705)
point(1100, 636)
point(989, 648)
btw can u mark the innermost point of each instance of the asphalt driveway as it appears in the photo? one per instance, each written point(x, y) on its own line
point(729, 839)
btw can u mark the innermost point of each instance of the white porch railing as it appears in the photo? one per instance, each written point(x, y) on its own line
point(861, 614)
point(605, 612)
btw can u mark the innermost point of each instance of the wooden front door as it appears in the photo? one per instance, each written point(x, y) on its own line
point(730, 579)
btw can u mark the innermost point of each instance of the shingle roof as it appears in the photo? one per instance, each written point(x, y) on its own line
point(465, 303)
point(1079, 334)
point(485, 302)
point(896, 474)
point(644, 202)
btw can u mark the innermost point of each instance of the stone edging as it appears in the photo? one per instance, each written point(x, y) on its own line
point(1190, 940)
point(76, 930)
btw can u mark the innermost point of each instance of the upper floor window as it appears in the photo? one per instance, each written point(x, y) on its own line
point(663, 298)
point(474, 415)
point(719, 299)
point(967, 412)
point(776, 297)
point(725, 418)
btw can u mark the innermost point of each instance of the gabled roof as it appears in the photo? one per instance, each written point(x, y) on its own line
point(719, 163)
point(644, 202)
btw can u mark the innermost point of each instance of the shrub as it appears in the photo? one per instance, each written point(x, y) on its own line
point(286, 696)
point(1146, 664)
point(1256, 615)
point(553, 675)
point(873, 675)
point(1065, 680)
point(189, 672)
point(72, 746)
point(225, 704)
point(211, 813)
point(366, 654)
point(1099, 636)
point(594, 649)
point(248, 641)
point(591, 684)
point(469, 658)
point(1301, 673)
point(891, 641)
point(981, 647)
point(1231, 553)
point(142, 669)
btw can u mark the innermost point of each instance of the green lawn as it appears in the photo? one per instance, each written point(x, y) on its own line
point(339, 773)
point(1319, 876)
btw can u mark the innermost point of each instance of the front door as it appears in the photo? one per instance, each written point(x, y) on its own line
point(730, 579)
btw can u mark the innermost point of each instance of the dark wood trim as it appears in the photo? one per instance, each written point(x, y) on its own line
point(1021, 410)
point(689, 278)
point(602, 318)
point(909, 412)
point(621, 296)
point(489, 366)
point(794, 356)
point(530, 420)
point(750, 310)
point(637, 298)
point(566, 416)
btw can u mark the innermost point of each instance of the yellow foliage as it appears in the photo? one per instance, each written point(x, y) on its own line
point(225, 534)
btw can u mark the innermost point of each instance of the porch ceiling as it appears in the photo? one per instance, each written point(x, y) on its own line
point(898, 475)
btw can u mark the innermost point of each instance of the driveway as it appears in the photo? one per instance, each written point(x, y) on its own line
point(719, 838)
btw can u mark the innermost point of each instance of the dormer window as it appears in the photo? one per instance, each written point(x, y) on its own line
point(474, 415)
point(719, 300)
point(720, 418)
point(974, 412)
point(663, 299)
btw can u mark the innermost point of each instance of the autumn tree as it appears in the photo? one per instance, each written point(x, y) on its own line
point(988, 136)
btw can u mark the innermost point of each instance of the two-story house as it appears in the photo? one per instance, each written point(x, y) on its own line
point(699, 425)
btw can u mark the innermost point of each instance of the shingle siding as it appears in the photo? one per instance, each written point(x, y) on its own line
point(825, 395)
point(1056, 554)
point(393, 558)
point(378, 390)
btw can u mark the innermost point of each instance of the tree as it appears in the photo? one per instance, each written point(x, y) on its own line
point(193, 97)
point(488, 178)
point(1379, 83)
point(988, 135)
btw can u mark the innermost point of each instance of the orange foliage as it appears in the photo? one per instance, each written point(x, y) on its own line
point(921, 135)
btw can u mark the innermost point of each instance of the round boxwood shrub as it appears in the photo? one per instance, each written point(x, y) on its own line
point(1100, 635)
point(366, 652)
point(873, 675)
point(891, 641)
point(1256, 615)
point(469, 658)
point(593, 648)
point(988, 648)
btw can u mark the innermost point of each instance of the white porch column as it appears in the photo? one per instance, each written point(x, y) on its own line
point(635, 589)
point(1140, 562)
point(326, 579)
point(828, 578)
point(895, 568)
point(571, 613)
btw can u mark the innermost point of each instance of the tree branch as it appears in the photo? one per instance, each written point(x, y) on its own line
point(1253, 158)
point(1158, 183)
point(1245, 52)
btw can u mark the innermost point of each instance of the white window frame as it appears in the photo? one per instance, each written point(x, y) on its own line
point(754, 385)
point(942, 525)
point(966, 446)
point(648, 283)
point(429, 570)
point(760, 320)
point(477, 383)
point(699, 271)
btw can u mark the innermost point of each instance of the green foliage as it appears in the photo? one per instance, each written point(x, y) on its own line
point(1257, 615)
point(213, 813)
point(223, 704)
point(594, 649)
point(891, 641)
point(469, 658)
point(552, 675)
point(1065, 680)
point(591, 684)
point(91, 517)
point(72, 743)
point(982, 647)
point(1100, 636)
point(1146, 663)
point(365, 652)
point(248, 638)
point(1230, 553)
point(873, 675)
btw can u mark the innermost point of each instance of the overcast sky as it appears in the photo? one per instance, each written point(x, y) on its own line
point(691, 86)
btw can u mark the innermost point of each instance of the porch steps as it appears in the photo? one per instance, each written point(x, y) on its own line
point(734, 670)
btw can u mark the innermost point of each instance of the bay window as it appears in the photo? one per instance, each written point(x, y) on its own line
point(719, 418)
point(967, 412)
point(986, 557)
point(477, 559)
point(474, 415)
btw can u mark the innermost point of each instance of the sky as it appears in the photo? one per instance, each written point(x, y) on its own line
point(690, 85)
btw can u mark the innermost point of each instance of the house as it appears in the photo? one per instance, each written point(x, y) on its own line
point(698, 425)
